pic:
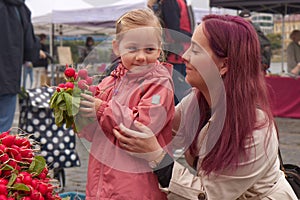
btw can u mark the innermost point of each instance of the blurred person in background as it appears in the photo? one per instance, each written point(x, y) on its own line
point(89, 46)
point(27, 71)
point(17, 44)
point(178, 16)
point(293, 53)
point(40, 67)
point(265, 44)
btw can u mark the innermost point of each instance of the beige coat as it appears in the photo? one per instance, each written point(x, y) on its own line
point(258, 178)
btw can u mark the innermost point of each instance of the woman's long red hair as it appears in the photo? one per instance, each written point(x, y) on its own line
point(246, 91)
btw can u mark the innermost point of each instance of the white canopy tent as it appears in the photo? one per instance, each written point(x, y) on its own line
point(78, 17)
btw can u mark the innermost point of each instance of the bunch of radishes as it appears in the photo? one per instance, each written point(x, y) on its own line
point(80, 79)
point(23, 176)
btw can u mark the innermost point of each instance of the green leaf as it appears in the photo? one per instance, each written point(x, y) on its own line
point(76, 105)
point(37, 165)
point(62, 106)
point(58, 115)
point(12, 179)
point(60, 97)
point(76, 92)
point(7, 167)
point(20, 187)
point(53, 99)
point(69, 122)
point(68, 100)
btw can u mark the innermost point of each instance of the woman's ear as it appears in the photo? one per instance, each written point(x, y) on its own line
point(224, 67)
point(115, 46)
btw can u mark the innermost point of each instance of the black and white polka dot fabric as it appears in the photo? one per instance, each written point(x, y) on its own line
point(57, 143)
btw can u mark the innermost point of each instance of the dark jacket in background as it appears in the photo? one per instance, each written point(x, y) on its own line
point(17, 44)
point(42, 62)
point(178, 17)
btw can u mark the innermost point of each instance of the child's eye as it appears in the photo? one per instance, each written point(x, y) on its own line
point(150, 49)
point(132, 49)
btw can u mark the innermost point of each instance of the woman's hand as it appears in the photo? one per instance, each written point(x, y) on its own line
point(42, 54)
point(142, 144)
point(296, 69)
point(89, 106)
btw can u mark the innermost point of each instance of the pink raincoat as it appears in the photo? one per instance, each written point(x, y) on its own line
point(144, 94)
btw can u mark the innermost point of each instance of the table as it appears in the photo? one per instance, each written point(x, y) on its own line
point(285, 96)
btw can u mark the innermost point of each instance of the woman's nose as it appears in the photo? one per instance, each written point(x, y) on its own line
point(185, 55)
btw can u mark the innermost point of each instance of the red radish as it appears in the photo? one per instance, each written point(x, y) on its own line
point(8, 140)
point(45, 170)
point(13, 163)
point(83, 73)
point(70, 72)
point(93, 89)
point(20, 142)
point(25, 198)
point(76, 76)
point(2, 148)
point(4, 157)
point(3, 181)
point(69, 85)
point(61, 85)
point(43, 188)
point(27, 180)
point(18, 180)
point(34, 183)
point(35, 195)
point(2, 135)
point(82, 84)
point(3, 189)
point(89, 80)
point(42, 175)
point(26, 153)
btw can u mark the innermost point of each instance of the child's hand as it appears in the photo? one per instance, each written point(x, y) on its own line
point(89, 106)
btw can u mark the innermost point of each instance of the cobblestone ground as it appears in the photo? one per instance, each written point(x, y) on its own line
point(289, 133)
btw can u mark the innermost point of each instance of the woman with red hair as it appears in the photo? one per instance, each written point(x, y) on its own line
point(225, 124)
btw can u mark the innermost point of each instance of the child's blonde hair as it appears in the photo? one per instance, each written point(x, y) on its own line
point(138, 18)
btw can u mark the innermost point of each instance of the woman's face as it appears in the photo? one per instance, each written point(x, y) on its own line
point(202, 65)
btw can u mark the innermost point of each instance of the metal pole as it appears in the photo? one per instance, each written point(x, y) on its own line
point(51, 41)
point(283, 39)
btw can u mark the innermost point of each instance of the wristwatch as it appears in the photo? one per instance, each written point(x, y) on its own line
point(154, 163)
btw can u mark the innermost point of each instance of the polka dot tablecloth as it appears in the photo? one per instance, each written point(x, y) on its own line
point(57, 143)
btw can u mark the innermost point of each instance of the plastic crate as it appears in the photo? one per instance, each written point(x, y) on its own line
point(73, 195)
